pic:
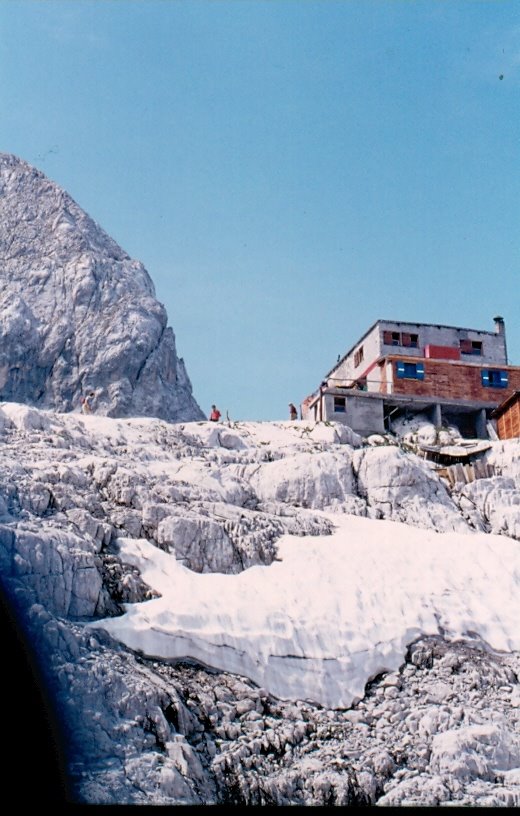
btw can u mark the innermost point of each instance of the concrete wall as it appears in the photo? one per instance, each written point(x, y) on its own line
point(363, 415)
point(493, 344)
point(493, 349)
point(347, 371)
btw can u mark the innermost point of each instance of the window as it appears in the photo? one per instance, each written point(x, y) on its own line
point(391, 338)
point(358, 356)
point(471, 347)
point(410, 340)
point(494, 378)
point(409, 371)
point(339, 405)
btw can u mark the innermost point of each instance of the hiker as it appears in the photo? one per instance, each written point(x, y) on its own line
point(215, 414)
point(293, 413)
point(86, 403)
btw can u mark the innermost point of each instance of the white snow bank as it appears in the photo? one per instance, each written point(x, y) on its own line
point(333, 612)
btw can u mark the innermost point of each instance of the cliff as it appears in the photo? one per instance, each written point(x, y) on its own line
point(77, 314)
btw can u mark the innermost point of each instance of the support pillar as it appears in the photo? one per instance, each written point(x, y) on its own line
point(481, 424)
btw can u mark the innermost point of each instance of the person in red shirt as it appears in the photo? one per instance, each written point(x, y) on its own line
point(215, 414)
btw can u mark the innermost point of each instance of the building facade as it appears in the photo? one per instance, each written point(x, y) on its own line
point(453, 375)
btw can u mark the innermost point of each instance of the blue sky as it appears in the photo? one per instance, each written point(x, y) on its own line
point(288, 171)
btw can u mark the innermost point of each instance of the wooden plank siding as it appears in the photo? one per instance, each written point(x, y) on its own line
point(508, 424)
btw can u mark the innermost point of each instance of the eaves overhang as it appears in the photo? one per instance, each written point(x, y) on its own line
point(499, 410)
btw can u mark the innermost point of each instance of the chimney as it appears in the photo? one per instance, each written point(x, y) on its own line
point(500, 328)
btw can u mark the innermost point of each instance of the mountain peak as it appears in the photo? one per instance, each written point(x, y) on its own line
point(78, 314)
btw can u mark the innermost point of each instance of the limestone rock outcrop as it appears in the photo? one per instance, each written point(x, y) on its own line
point(442, 729)
point(77, 313)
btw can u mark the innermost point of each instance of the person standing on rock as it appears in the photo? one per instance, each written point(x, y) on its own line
point(293, 413)
point(86, 403)
point(215, 414)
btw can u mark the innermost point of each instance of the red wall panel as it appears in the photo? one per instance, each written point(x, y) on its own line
point(442, 352)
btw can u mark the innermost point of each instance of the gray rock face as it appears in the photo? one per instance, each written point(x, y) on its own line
point(78, 314)
point(441, 730)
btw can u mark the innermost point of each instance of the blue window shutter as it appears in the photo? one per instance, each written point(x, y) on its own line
point(400, 368)
point(419, 368)
point(503, 379)
point(485, 376)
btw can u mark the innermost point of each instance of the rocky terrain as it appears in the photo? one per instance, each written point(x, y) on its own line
point(436, 724)
point(78, 314)
point(443, 729)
